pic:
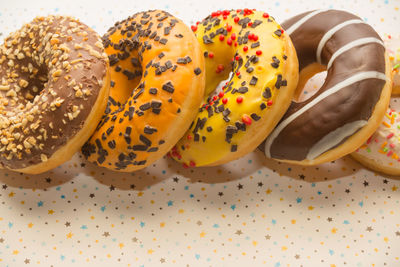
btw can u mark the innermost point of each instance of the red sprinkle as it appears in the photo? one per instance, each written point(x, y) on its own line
point(220, 67)
point(269, 103)
point(245, 48)
point(249, 24)
point(229, 28)
point(238, 73)
point(266, 15)
point(258, 52)
point(233, 36)
point(189, 137)
point(224, 16)
point(389, 153)
point(255, 38)
point(192, 164)
point(221, 37)
point(236, 19)
point(194, 28)
point(390, 135)
point(237, 57)
point(251, 35)
point(229, 41)
point(239, 99)
point(211, 55)
point(282, 31)
point(246, 119)
point(185, 165)
point(215, 98)
point(224, 100)
point(221, 94)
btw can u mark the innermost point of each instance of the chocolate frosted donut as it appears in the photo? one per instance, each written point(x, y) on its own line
point(349, 106)
point(53, 91)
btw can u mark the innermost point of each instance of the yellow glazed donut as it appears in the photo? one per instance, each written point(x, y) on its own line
point(252, 46)
point(157, 84)
point(53, 91)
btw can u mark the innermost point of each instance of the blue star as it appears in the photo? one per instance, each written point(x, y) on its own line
point(273, 221)
point(10, 224)
point(103, 208)
point(197, 256)
point(299, 199)
point(170, 203)
point(40, 204)
point(142, 224)
point(319, 192)
point(361, 203)
point(233, 207)
point(331, 252)
point(62, 257)
point(84, 227)
point(216, 225)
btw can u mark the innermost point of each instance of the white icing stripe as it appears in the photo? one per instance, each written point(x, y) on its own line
point(334, 138)
point(353, 79)
point(351, 45)
point(331, 32)
point(294, 27)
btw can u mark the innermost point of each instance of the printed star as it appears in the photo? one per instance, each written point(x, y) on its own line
point(132, 186)
point(27, 261)
point(69, 235)
point(394, 188)
point(301, 176)
point(112, 187)
point(91, 195)
point(347, 190)
point(220, 194)
point(199, 223)
point(1, 240)
point(5, 186)
point(162, 260)
point(369, 229)
point(50, 211)
point(67, 224)
point(268, 237)
point(240, 186)
point(83, 165)
point(260, 184)
point(329, 219)
point(239, 232)
point(48, 180)
point(398, 233)
point(106, 234)
point(176, 179)
point(385, 181)
point(365, 183)
point(135, 240)
point(297, 256)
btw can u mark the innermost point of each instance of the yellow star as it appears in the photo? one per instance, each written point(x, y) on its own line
point(150, 251)
point(202, 234)
point(268, 191)
point(69, 235)
point(334, 230)
point(30, 225)
point(15, 252)
point(181, 210)
point(51, 212)
point(162, 224)
point(11, 194)
point(386, 239)
point(121, 245)
point(310, 207)
point(140, 194)
point(394, 188)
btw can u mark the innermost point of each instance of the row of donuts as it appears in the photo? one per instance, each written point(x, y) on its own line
point(148, 87)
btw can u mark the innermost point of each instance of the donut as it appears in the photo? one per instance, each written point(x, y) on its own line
point(350, 104)
point(392, 44)
point(253, 47)
point(157, 85)
point(53, 92)
point(381, 152)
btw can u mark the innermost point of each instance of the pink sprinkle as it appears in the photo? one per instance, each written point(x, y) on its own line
point(369, 140)
point(390, 135)
point(389, 153)
point(392, 145)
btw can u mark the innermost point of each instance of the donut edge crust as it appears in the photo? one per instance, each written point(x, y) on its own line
point(356, 140)
point(375, 166)
point(66, 152)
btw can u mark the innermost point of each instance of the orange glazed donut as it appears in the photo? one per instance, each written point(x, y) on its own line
point(54, 82)
point(157, 85)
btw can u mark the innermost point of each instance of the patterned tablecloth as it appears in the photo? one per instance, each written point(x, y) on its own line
point(250, 211)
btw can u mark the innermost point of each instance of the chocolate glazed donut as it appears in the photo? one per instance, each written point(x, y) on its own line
point(350, 104)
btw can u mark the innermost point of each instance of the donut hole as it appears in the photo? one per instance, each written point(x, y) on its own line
point(311, 79)
point(36, 85)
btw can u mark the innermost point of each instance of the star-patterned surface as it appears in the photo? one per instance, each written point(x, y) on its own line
point(250, 211)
